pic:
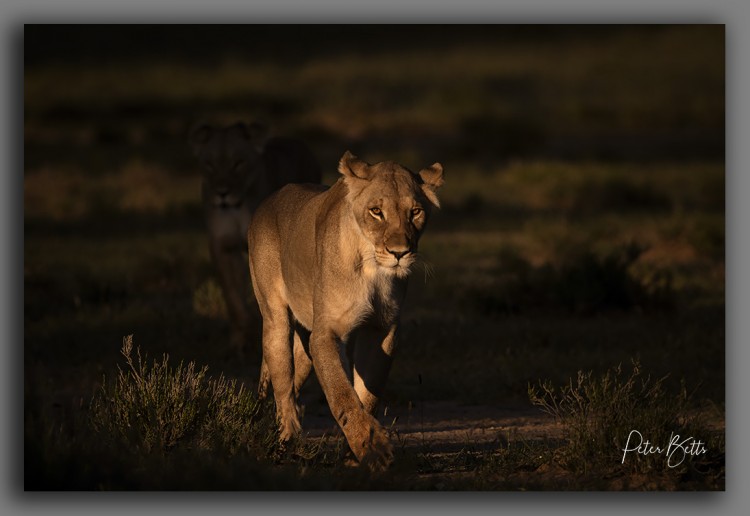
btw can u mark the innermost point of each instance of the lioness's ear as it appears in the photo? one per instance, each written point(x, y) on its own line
point(200, 135)
point(351, 166)
point(432, 179)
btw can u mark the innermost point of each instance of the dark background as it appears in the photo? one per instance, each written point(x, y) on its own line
point(583, 213)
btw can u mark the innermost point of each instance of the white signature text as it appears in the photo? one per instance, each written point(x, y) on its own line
point(676, 451)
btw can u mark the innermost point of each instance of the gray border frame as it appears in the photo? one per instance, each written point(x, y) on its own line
point(14, 13)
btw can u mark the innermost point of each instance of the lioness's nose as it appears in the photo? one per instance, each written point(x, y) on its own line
point(398, 253)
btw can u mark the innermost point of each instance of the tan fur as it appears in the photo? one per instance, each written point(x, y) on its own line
point(241, 167)
point(334, 262)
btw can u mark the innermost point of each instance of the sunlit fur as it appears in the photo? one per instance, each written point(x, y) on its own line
point(335, 262)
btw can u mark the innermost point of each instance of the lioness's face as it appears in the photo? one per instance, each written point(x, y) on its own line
point(391, 205)
point(229, 157)
point(392, 216)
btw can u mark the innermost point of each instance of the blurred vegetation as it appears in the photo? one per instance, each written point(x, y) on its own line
point(582, 222)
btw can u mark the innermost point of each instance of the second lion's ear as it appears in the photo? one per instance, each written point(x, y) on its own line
point(200, 135)
point(255, 132)
point(351, 166)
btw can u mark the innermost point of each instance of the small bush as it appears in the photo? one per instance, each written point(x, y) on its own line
point(598, 415)
point(173, 428)
point(158, 408)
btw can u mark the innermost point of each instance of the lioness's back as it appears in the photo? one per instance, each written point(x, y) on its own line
point(281, 241)
point(285, 207)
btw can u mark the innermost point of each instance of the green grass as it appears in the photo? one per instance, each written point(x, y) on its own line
point(583, 226)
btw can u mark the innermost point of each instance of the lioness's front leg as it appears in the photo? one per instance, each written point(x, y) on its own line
point(366, 437)
point(372, 357)
point(302, 362)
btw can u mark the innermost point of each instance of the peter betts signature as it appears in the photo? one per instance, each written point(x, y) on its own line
point(676, 451)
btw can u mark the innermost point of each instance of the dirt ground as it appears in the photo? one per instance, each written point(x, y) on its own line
point(447, 427)
point(445, 434)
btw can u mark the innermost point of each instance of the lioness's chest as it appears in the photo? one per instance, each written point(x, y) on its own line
point(362, 299)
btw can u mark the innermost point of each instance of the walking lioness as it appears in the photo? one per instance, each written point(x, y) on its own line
point(241, 167)
point(329, 269)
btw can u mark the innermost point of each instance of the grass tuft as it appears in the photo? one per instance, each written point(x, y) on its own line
point(156, 408)
point(599, 413)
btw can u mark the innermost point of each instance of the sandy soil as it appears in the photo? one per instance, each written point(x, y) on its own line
point(449, 427)
point(446, 429)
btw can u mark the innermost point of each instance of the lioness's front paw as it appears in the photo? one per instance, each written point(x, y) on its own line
point(370, 443)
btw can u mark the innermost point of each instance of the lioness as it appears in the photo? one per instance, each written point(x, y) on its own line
point(329, 270)
point(241, 167)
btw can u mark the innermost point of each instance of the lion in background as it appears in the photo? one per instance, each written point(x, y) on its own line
point(242, 165)
point(329, 270)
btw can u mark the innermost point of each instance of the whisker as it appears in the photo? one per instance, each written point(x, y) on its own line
point(363, 260)
point(427, 267)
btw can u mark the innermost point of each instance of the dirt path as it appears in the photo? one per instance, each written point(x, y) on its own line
point(446, 433)
point(449, 427)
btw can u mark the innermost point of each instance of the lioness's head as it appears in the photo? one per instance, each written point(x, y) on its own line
point(391, 205)
point(230, 158)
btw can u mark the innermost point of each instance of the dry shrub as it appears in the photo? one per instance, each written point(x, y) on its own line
point(599, 413)
point(156, 408)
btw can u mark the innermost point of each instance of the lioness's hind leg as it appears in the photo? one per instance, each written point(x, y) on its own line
point(278, 357)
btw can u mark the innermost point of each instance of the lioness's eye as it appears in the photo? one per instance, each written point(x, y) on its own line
point(416, 212)
point(376, 212)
